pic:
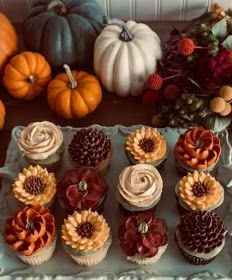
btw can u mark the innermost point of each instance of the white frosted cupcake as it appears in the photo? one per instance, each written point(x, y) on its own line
point(86, 237)
point(42, 144)
point(139, 188)
point(31, 234)
point(35, 186)
point(198, 191)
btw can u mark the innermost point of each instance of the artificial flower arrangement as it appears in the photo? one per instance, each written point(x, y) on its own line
point(193, 79)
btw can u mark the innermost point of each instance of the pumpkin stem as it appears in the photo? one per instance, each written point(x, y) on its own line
point(59, 6)
point(72, 82)
point(125, 35)
point(31, 79)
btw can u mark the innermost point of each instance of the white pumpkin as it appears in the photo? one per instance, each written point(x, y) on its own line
point(125, 55)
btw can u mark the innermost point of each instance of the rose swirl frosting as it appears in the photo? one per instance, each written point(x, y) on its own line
point(140, 185)
point(40, 139)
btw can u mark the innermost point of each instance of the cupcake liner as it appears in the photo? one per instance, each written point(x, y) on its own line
point(127, 212)
point(90, 259)
point(146, 261)
point(39, 257)
point(195, 260)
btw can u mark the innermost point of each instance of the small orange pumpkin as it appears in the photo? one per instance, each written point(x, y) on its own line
point(8, 41)
point(27, 75)
point(74, 94)
point(2, 114)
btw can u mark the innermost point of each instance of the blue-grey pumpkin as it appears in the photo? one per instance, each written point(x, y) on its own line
point(64, 31)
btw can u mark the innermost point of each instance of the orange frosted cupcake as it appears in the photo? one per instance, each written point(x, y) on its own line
point(86, 237)
point(35, 186)
point(146, 145)
point(197, 149)
point(198, 191)
point(31, 234)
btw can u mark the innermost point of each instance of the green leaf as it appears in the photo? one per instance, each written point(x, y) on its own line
point(228, 42)
point(220, 28)
point(216, 123)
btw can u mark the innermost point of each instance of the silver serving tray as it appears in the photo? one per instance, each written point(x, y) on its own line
point(115, 266)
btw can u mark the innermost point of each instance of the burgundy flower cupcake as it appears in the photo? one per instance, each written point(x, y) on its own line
point(81, 189)
point(200, 236)
point(91, 148)
point(143, 238)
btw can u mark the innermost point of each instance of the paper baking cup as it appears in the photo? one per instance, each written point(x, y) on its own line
point(196, 260)
point(39, 257)
point(93, 258)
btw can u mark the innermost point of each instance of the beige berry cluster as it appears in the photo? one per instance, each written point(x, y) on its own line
point(221, 104)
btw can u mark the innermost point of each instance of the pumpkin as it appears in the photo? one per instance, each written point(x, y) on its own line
point(63, 31)
point(2, 114)
point(8, 41)
point(27, 75)
point(125, 55)
point(74, 94)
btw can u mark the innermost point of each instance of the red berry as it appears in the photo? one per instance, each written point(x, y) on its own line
point(171, 92)
point(155, 82)
point(185, 46)
point(150, 97)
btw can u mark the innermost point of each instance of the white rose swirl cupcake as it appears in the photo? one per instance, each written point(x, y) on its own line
point(42, 144)
point(139, 188)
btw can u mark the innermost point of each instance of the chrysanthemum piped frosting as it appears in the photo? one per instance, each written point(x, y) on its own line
point(146, 145)
point(140, 185)
point(34, 186)
point(85, 231)
point(39, 140)
point(200, 191)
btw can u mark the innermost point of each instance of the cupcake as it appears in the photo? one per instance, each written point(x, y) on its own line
point(91, 148)
point(35, 186)
point(42, 144)
point(200, 236)
point(139, 188)
point(197, 149)
point(31, 234)
point(146, 145)
point(86, 237)
point(81, 189)
point(143, 238)
point(198, 191)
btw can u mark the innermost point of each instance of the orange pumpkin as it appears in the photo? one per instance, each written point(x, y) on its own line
point(2, 114)
point(27, 75)
point(74, 94)
point(8, 41)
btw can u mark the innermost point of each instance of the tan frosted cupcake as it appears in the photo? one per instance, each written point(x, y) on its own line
point(198, 191)
point(42, 144)
point(35, 186)
point(31, 234)
point(139, 188)
point(146, 145)
point(86, 237)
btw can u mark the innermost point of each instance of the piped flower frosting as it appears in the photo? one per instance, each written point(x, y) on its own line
point(142, 234)
point(200, 191)
point(34, 186)
point(85, 231)
point(30, 230)
point(146, 145)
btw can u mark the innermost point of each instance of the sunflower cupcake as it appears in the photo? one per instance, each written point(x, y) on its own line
point(200, 236)
point(198, 191)
point(42, 144)
point(143, 238)
point(86, 237)
point(146, 145)
point(197, 149)
point(31, 234)
point(90, 147)
point(35, 186)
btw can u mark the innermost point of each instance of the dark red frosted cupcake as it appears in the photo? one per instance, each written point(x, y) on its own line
point(82, 189)
point(143, 238)
point(91, 148)
point(200, 236)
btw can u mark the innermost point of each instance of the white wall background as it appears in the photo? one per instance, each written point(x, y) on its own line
point(140, 10)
